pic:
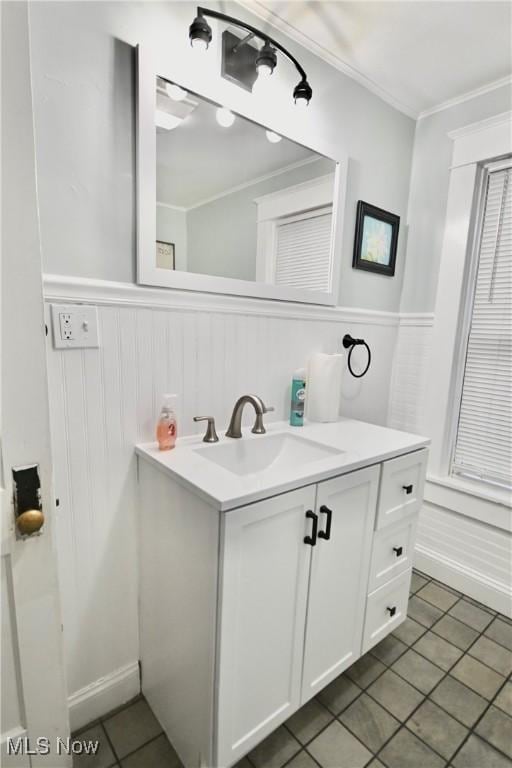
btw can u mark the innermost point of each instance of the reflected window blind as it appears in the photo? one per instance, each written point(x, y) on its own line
point(303, 251)
point(483, 443)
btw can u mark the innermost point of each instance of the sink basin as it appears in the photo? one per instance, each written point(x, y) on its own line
point(248, 456)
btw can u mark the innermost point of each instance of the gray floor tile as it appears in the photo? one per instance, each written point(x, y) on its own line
point(339, 694)
point(308, 721)
point(302, 760)
point(492, 654)
point(338, 748)
point(418, 671)
point(422, 612)
point(437, 729)
point(471, 615)
point(448, 589)
point(501, 632)
point(477, 676)
point(375, 763)
point(395, 695)
point(369, 722)
point(438, 596)
point(130, 728)
point(496, 728)
point(504, 699)
point(243, 763)
point(476, 753)
point(365, 670)
point(405, 750)
point(409, 631)
point(438, 650)
point(103, 757)
point(157, 754)
point(458, 700)
point(417, 582)
point(275, 750)
point(455, 632)
point(389, 649)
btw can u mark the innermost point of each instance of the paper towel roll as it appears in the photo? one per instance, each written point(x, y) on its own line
point(323, 390)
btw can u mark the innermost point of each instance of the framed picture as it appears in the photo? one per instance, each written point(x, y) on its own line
point(165, 255)
point(375, 239)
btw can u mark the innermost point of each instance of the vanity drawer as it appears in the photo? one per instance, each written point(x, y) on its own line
point(401, 487)
point(392, 551)
point(386, 608)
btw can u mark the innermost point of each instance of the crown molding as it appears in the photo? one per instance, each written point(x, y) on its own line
point(260, 11)
point(502, 81)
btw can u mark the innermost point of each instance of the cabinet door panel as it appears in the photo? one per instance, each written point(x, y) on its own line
point(339, 577)
point(262, 616)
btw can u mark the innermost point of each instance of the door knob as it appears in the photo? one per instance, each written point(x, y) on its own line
point(398, 551)
point(30, 521)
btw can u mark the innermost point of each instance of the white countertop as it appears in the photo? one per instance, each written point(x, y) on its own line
point(362, 444)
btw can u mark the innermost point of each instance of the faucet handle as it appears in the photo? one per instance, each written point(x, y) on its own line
point(211, 435)
point(269, 409)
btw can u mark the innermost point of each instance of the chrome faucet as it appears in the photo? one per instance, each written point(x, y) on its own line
point(235, 425)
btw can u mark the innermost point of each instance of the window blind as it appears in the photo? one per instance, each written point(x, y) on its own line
point(483, 442)
point(303, 251)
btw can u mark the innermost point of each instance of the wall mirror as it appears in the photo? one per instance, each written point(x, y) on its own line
point(228, 206)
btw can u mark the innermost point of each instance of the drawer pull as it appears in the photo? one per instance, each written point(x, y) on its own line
point(327, 533)
point(398, 551)
point(407, 488)
point(312, 539)
point(392, 610)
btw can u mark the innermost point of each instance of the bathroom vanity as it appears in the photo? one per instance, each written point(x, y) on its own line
point(268, 565)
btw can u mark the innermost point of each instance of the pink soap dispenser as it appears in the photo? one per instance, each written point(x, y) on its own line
point(166, 429)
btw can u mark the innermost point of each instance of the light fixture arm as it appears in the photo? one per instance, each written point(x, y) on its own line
point(252, 30)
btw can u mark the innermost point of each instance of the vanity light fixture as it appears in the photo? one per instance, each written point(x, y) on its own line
point(241, 62)
point(273, 137)
point(225, 117)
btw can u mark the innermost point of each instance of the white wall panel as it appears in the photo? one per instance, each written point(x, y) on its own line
point(208, 350)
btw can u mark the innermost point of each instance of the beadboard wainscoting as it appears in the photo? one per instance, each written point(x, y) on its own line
point(208, 349)
point(462, 540)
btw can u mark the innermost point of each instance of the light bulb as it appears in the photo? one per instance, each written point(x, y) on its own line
point(273, 137)
point(198, 44)
point(225, 117)
point(264, 71)
point(175, 92)
point(302, 103)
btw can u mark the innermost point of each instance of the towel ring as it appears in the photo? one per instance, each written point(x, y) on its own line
point(349, 341)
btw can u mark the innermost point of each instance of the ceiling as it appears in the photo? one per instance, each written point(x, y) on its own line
point(415, 55)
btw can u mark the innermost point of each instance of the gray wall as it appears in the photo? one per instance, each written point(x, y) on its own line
point(84, 100)
point(429, 193)
point(222, 235)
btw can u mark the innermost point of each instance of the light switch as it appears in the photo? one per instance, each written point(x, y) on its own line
point(75, 326)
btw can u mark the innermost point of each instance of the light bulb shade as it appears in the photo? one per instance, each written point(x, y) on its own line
point(224, 117)
point(302, 93)
point(266, 60)
point(274, 138)
point(200, 32)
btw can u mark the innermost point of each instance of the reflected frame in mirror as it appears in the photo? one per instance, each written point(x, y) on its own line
point(147, 271)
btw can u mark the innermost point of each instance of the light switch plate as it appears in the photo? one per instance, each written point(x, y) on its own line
point(75, 326)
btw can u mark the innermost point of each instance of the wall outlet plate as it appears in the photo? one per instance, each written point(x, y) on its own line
point(75, 326)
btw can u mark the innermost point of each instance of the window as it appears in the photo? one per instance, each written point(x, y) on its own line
point(303, 250)
point(483, 440)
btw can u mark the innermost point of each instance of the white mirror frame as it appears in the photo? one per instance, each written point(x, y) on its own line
point(147, 271)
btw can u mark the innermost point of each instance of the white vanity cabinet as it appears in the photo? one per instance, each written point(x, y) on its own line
point(248, 613)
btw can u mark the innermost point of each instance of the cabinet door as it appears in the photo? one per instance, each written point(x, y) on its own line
point(339, 577)
point(262, 614)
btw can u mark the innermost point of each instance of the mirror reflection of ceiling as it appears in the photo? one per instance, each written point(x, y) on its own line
point(183, 183)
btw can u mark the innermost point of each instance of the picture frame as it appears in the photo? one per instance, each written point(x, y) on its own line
point(376, 239)
point(165, 257)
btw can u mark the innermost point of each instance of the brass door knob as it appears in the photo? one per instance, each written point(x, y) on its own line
point(30, 522)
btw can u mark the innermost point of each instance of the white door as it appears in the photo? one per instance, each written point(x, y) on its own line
point(339, 575)
point(264, 573)
point(32, 681)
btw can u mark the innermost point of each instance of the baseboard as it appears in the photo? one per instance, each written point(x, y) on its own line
point(103, 695)
point(477, 585)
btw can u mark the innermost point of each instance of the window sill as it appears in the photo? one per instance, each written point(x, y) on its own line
point(470, 499)
point(474, 488)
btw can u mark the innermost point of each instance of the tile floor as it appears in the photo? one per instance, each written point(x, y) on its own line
point(435, 693)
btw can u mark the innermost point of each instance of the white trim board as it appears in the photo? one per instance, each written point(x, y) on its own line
point(62, 288)
point(494, 85)
point(103, 695)
point(466, 580)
